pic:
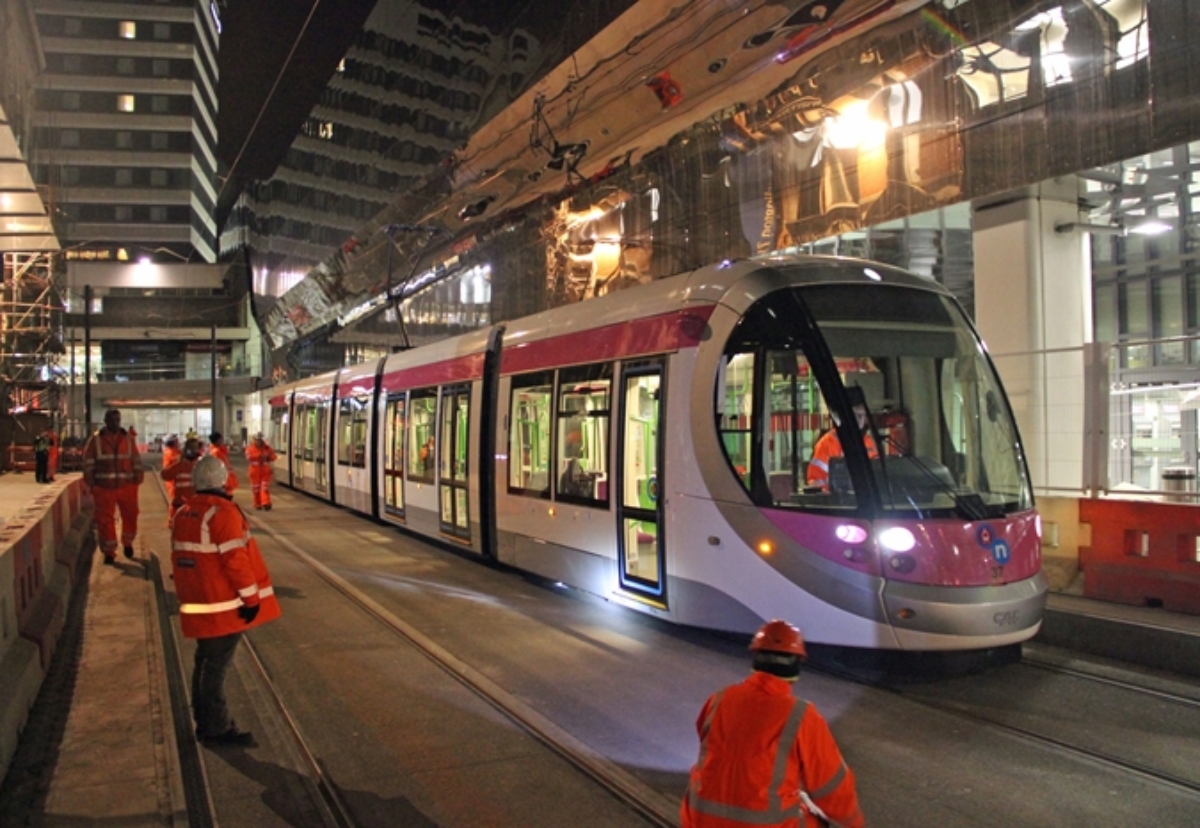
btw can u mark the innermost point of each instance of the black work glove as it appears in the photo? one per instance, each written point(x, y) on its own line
point(247, 614)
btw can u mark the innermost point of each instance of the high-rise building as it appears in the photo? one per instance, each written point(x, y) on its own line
point(125, 116)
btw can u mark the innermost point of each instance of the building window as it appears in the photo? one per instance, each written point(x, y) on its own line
point(158, 141)
point(125, 103)
point(158, 178)
point(162, 31)
point(158, 214)
point(123, 212)
point(160, 68)
point(127, 29)
point(72, 64)
point(73, 26)
point(68, 138)
point(124, 139)
point(70, 100)
point(70, 175)
point(158, 103)
point(125, 66)
point(124, 177)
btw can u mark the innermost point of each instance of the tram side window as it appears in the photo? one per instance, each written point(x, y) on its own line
point(352, 431)
point(455, 427)
point(529, 434)
point(422, 428)
point(279, 421)
point(302, 447)
point(583, 411)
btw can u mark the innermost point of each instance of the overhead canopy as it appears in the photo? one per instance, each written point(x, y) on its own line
point(24, 223)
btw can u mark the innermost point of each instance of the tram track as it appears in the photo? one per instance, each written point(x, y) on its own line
point(1033, 656)
point(971, 714)
point(650, 806)
point(324, 793)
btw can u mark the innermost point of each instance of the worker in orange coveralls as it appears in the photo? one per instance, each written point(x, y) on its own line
point(829, 447)
point(218, 448)
point(767, 758)
point(224, 590)
point(178, 476)
point(112, 469)
point(261, 456)
point(52, 458)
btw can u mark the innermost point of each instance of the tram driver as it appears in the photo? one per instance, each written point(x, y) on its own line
point(829, 447)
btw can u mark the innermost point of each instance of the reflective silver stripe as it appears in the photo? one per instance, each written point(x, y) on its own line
point(202, 609)
point(830, 786)
point(223, 606)
point(188, 546)
point(248, 591)
point(775, 812)
point(820, 464)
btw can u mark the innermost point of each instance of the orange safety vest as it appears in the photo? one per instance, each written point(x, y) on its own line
point(826, 449)
point(178, 477)
point(217, 568)
point(260, 458)
point(111, 460)
point(760, 747)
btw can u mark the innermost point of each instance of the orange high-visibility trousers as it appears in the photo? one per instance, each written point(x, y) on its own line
point(260, 485)
point(108, 502)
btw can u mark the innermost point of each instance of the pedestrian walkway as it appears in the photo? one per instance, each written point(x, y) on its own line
point(99, 746)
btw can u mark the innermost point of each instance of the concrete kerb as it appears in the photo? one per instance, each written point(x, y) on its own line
point(41, 549)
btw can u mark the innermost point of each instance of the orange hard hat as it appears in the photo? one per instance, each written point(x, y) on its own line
point(779, 637)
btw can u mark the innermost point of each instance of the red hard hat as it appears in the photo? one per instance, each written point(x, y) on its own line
point(779, 637)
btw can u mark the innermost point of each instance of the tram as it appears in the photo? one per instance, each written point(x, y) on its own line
point(655, 447)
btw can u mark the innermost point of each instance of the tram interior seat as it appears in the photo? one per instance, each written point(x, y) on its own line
point(781, 486)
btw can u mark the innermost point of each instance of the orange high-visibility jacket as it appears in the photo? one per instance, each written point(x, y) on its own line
point(111, 460)
point(759, 747)
point(218, 568)
point(178, 477)
point(171, 456)
point(260, 459)
point(222, 454)
point(826, 449)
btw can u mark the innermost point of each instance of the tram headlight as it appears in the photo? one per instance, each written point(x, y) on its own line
point(765, 547)
point(1037, 525)
point(849, 533)
point(897, 539)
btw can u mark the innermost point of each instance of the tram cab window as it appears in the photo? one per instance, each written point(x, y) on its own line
point(583, 411)
point(938, 438)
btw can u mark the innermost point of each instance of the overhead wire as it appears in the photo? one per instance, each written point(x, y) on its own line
point(267, 100)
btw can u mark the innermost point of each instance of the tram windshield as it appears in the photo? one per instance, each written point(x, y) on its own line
point(902, 371)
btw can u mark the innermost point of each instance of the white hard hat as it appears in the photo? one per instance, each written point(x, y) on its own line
point(209, 473)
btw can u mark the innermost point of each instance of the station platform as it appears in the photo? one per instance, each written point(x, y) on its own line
point(101, 745)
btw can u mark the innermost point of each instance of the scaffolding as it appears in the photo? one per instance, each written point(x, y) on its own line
point(31, 322)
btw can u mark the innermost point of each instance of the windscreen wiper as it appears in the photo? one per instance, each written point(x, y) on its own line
point(968, 504)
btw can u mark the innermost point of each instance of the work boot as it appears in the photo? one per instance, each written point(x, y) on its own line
point(129, 552)
point(230, 738)
point(110, 560)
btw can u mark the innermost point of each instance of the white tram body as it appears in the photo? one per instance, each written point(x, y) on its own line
point(656, 447)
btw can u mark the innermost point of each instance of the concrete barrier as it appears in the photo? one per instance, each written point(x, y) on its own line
point(43, 547)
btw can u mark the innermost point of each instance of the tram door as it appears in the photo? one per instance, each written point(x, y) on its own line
point(639, 507)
